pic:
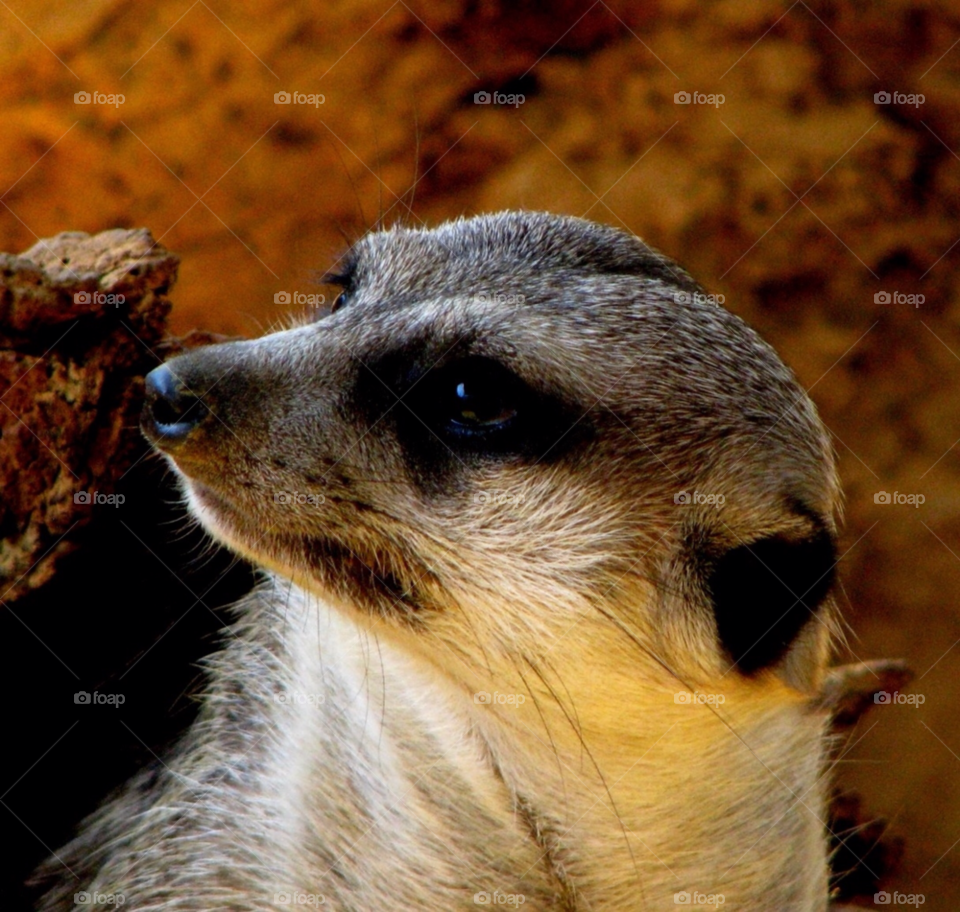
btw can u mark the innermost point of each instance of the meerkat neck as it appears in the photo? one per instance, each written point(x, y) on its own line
point(710, 798)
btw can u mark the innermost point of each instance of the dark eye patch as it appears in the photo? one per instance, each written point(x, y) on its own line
point(765, 592)
point(462, 411)
point(343, 275)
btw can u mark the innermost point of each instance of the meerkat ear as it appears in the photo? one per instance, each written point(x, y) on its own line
point(765, 592)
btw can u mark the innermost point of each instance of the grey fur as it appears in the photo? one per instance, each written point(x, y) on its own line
point(404, 594)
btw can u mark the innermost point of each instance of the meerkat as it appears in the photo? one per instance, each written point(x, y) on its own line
point(548, 542)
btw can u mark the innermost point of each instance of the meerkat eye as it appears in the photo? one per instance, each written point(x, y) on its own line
point(474, 396)
point(472, 405)
point(344, 277)
point(478, 403)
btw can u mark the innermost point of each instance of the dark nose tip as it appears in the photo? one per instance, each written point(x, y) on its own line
point(170, 411)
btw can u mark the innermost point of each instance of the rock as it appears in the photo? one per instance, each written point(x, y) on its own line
point(82, 318)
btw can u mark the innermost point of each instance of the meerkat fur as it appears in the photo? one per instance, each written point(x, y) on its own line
point(499, 607)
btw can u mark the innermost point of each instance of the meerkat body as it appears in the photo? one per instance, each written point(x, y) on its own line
point(548, 544)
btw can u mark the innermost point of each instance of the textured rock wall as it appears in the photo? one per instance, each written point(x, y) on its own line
point(800, 198)
point(81, 320)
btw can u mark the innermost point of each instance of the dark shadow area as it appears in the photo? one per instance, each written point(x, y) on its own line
point(128, 615)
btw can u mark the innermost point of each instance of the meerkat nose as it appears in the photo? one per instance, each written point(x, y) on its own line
point(170, 411)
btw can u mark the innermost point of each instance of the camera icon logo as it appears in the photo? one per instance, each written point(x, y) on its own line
point(681, 98)
point(81, 696)
point(882, 497)
point(882, 697)
point(82, 98)
point(882, 98)
point(681, 497)
point(881, 297)
point(482, 98)
point(481, 898)
point(882, 898)
point(682, 898)
point(282, 898)
point(482, 697)
point(82, 297)
point(683, 697)
point(282, 98)
point(82, 497)
point(281, 297)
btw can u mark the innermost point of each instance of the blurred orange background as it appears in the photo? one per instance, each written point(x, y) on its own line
point(803, 197)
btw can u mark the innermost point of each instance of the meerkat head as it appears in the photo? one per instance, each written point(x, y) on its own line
point(518, 429)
